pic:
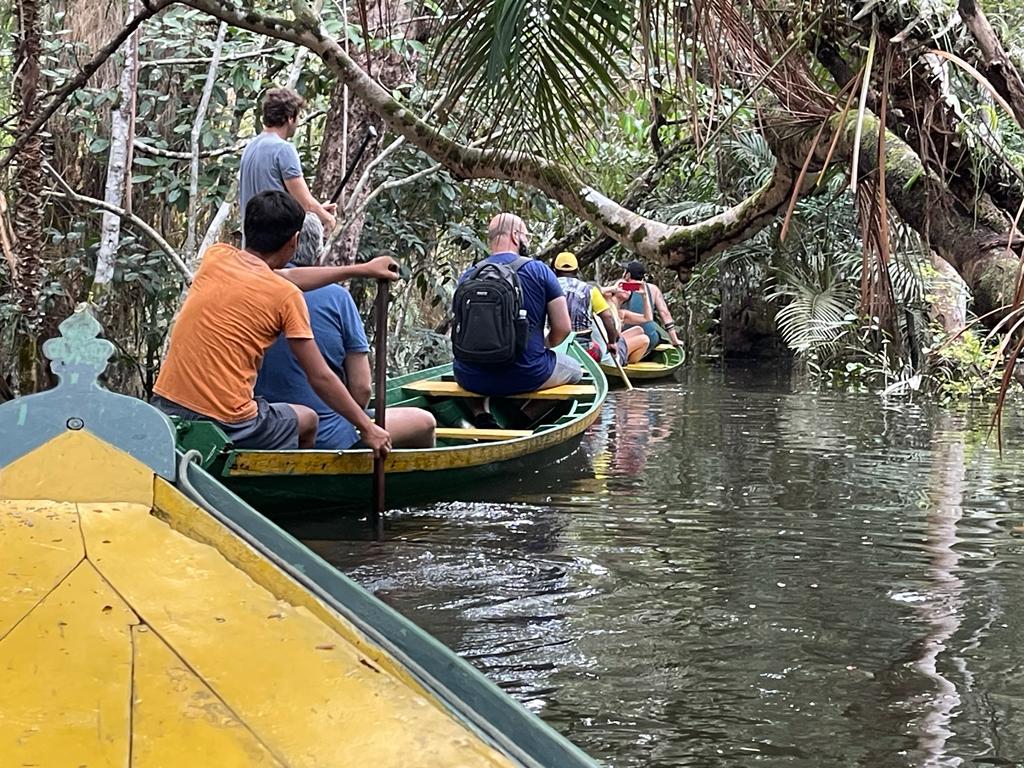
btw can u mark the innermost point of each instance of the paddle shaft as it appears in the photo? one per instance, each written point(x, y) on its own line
point(611, 352)
point(371, 133)
point(380, 373)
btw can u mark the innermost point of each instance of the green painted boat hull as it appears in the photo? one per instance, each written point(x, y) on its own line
point(661, 364)
point(283, 482)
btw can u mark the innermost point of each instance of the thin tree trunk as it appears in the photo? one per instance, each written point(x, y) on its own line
point(117, 169)
point(197, 132)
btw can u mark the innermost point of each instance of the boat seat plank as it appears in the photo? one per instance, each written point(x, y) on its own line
point(438, 388)
point(457, 433)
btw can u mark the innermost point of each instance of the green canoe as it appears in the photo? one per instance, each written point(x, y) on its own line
point(280, 482)
point(152, 617)
point(665, 360)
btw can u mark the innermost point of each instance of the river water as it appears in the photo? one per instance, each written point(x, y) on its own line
point(730, 572)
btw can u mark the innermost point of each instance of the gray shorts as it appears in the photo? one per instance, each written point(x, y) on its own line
point(275, 426)
point(567, 371)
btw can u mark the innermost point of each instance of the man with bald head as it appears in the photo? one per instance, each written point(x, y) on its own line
point(538, 366)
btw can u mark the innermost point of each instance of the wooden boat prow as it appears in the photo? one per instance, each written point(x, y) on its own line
point(155, 620)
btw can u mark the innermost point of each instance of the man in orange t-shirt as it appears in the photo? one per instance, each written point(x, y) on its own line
point(239, 303)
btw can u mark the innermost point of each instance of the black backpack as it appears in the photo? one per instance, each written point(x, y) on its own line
point(490, 323)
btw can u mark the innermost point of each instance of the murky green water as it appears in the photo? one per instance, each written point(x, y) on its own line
point(728, 573)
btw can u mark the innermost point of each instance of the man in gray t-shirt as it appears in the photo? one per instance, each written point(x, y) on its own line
point(271, 162)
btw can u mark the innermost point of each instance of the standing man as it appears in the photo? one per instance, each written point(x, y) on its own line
point(584, 302)
point(537, 365)
point(635, 270)
point(270, 161)
point(239, 303)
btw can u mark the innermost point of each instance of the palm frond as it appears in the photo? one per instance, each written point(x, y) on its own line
point(541, 67)
point(820, 308)
point(750, 151)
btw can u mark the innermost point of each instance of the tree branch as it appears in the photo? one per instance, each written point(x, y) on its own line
point(678, 245)
point(152, 7)
point(143, 227)
point(70, 194)
point(149, 149)
point(206, 59)
point(996, 63)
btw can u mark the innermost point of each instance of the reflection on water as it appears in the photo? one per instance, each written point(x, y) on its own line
point(728, 572)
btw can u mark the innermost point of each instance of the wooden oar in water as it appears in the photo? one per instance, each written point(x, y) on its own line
point(611, 352)
point(380, 312)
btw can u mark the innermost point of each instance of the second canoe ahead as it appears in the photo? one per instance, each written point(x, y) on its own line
point(300, 480)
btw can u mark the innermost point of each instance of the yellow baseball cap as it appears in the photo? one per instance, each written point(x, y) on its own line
point(566, 262)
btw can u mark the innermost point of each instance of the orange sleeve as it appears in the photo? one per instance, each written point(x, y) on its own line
point(295, 316)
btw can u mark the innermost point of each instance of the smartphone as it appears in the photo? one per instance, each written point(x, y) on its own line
point(631, 285)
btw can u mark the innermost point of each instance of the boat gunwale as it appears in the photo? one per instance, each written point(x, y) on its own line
point(359, 461)
point(331, 587)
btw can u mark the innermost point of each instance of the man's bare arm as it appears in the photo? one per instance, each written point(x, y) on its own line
point(330, 389)
point(298, 189)
point(311, 278)
point(558, 320)
point(357, 377)
point(666, 315)
point(608, 321)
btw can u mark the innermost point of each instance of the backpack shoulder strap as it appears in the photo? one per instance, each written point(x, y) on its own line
point(519, 262)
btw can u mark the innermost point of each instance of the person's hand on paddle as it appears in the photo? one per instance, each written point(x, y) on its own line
point(376, 439)
point(380, 268)
point(331, 221)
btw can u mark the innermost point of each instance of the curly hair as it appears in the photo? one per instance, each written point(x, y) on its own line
point(280, 105)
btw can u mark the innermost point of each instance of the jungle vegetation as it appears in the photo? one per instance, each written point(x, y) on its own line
point(834, 183)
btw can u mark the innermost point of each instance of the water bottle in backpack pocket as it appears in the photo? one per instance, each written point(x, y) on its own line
point(490, 325)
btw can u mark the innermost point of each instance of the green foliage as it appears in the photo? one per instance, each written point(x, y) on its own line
point(963, 368)
point(534, 69)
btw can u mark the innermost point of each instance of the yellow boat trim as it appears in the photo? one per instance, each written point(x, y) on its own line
point(360, 462)
point(643, 371)
point(646, 367)
point(440, 388)
point(156, 636)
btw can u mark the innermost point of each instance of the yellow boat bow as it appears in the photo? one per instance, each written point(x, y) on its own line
point(144, 623)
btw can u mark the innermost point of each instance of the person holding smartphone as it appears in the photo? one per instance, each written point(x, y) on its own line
point(635, 270)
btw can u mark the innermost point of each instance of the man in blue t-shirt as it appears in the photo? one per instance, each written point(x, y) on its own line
point(270, 161)
point(339, 333)
point(539, 367)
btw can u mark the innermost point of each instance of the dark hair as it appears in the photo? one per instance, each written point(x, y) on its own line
point(271, 219)
point(280, 105)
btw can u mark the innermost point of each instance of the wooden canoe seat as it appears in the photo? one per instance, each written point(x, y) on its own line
point(438, 388)
point(457, 433)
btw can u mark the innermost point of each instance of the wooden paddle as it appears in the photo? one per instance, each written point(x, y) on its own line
point(611, 352)
point(380, 374)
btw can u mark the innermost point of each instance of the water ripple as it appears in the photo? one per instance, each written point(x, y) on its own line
point(728, 572)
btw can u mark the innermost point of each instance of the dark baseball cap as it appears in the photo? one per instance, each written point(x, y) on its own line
point(636, 269)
